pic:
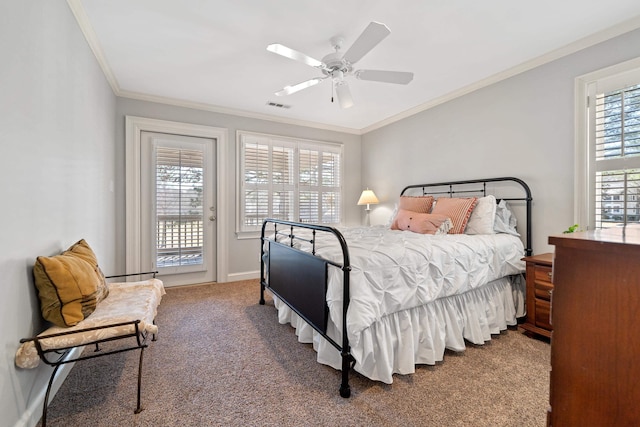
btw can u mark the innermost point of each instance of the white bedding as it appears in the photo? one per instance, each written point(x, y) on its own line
point(413, 295)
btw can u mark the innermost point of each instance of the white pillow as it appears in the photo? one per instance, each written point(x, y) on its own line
point(505, 219)
point(483, 217)
point(444, 227)
point(394, 213)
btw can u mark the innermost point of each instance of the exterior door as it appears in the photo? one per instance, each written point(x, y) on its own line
point(178, 214)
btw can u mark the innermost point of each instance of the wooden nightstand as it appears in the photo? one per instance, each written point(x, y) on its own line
point(539, 288)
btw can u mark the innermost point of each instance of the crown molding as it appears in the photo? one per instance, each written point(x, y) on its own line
point(591, 40)
point(92, 40)
point(234, 112)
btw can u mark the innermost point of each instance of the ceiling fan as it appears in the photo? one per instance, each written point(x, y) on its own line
point(337, 66)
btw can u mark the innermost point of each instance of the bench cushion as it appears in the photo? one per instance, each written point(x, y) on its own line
point(126, 302)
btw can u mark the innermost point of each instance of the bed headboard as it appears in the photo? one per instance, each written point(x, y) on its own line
point(511, 189)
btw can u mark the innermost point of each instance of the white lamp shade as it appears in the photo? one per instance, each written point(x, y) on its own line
point(368, 197)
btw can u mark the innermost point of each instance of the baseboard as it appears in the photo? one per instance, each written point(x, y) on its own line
point(248, 275)
point(33, 412)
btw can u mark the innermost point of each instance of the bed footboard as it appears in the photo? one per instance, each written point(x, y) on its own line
point(299, 279)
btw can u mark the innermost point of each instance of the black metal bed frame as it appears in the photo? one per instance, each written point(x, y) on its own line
point(57, 357)
point(299, 278)
point(451, 192)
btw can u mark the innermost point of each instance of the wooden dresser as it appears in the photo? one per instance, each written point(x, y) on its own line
point(539, 288)
point(595, 345)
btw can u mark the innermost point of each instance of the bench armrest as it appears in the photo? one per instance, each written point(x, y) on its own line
point(132, 274)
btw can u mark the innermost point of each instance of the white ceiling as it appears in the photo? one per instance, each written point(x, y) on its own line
point(212, 54)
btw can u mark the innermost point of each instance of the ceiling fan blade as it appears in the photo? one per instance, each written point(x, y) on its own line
point(398, 77)
point(295, 55)
point(370, 37)
point(288, 90)
point(344, 94)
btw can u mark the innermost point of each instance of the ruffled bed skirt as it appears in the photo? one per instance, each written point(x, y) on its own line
point(397, 342)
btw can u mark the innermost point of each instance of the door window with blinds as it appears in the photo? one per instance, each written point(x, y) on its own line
point(288, 179)
point(614, 111)
point(179, 206)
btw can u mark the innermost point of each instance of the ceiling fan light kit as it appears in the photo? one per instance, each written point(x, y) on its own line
point(338, 67)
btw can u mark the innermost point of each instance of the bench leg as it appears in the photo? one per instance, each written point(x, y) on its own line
point(46, 396)
point(138, 408)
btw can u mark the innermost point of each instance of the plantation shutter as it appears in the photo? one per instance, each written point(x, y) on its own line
point(179, 206)
point(309, 185)
point(331, 187)
point(617, 156)
point(319, 184)
point(282, 189)
point(268, 185)
point(286, 179)
point(256, 183)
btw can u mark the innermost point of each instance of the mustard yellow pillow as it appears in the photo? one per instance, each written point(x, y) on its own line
point(67, 288)
point(81, 249)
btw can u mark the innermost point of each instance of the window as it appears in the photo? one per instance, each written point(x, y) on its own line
point(288, 179)
point(608, 147)
point(617, 156)
point(179, 206)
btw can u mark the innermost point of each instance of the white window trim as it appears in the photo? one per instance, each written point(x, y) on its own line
point(298, 142)
point(134, 126)
point(583, 166)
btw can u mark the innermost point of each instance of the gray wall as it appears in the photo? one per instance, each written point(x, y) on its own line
point(522, 126)
point(240, 262)
point(57, 116)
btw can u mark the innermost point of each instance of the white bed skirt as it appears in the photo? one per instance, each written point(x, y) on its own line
point(397, 342)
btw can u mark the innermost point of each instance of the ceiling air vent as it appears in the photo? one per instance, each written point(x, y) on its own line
point(277, 105)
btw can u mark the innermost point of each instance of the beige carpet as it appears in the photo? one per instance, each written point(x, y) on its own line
point(223, 360)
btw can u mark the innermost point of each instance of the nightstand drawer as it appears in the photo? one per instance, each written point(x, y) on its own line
point(543, 290)
point(543, 273)
point(539, 288)
point(543, 318)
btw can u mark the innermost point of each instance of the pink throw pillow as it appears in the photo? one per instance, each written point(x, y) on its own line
point(458, 209)
point(420, 204)
point(422, 223)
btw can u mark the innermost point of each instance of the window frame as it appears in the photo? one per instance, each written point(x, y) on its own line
point(617, 76)
point(297, 144)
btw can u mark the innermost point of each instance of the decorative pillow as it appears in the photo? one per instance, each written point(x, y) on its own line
point(482, 217)
point(81, 249)
point(421, 204)
point(505, 221)
point(458, 209)
point(67, 287)
point(423, 223)
point(444, 227)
